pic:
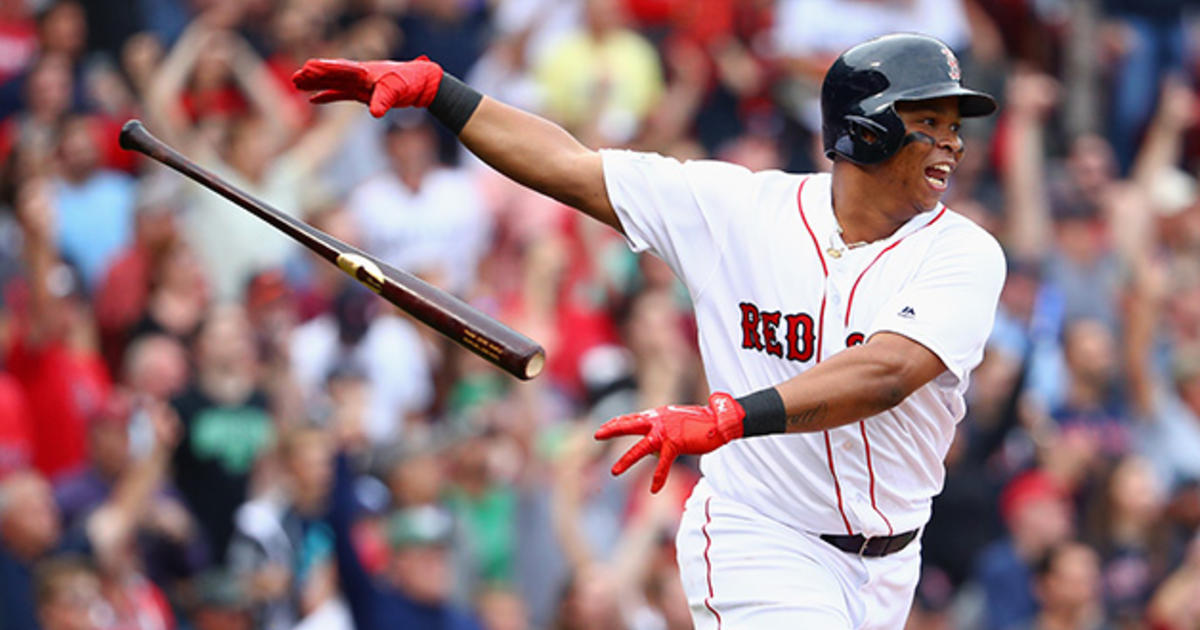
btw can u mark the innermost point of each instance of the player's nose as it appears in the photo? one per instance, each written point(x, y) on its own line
point(951, 141)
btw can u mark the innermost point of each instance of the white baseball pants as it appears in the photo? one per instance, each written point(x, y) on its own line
point(744, 571)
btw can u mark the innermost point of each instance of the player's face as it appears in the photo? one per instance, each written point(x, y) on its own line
point(922, 168)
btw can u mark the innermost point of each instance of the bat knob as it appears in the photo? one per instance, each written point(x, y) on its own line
point(132, 128)
point(535, 365)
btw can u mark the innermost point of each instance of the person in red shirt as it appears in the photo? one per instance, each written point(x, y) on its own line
point(53, 353)
point(16, 447)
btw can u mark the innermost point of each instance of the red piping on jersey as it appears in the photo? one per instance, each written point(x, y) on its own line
point(708, 563)
point(850, 301)
point(871, 471)
point(861, 425)
point(837, 486)
point(816, 245)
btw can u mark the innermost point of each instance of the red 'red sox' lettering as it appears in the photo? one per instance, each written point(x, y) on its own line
point(770, 320)
point(750, 338)
point(800, 336)
point(760, 331)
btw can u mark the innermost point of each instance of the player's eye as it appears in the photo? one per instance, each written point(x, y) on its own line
point(955, 127)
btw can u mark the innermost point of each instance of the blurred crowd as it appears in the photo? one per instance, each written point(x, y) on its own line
point(203, 426)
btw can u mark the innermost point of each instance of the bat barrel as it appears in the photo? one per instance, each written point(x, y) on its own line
point(485, 336)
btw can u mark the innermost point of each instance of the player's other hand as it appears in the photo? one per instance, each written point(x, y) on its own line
point(382, 85)
point(674, 430)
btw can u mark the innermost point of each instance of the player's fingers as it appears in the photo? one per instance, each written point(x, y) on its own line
point(644, 447)
point(331, 68)
point(317, 74)
point(383, 98)
point(329, 96)
point(665, 458)
point(629, 424)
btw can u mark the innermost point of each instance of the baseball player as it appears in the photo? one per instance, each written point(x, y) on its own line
point(839, 317)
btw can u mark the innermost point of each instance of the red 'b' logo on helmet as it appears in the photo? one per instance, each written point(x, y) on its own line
point(952, 61)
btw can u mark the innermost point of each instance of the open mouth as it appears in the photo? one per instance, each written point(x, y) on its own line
point(938, 176)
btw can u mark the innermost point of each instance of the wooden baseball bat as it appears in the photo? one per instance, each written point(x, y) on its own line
point(493, 341)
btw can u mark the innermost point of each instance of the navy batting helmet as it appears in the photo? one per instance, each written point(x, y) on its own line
point(863, 85)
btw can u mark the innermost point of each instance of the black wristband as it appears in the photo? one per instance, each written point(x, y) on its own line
point(454, 103)
point(765, 413)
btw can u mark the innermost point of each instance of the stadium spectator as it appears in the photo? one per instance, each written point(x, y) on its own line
point(227, 424)
point(109, 457)
point(1038, 517)
point(68, 597)
point(1068, 589)
point(386, 350)
point(94, 205)
point(1092, 401)
point(53, 352)
point(415, 589)
point(1126, 527)
point(156, 367)
point(61, 35)
point(418, 215)
point(33, 130)
point(233, 91)
point(281, 550)
point(179, 296)
point(123, 293)
point(167, 546)
point(29, 530)
point(1151, 45)
point(602, 80)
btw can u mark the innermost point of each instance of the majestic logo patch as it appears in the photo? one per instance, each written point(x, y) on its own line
point(907, 312)
point(952, 61)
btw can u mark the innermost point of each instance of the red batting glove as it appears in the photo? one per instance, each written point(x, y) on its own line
point(674, 430)
point(382, 85)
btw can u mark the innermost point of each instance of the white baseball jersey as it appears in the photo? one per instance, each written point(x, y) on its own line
point(776, 291)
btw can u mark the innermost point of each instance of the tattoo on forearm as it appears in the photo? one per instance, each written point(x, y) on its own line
point(807, 417)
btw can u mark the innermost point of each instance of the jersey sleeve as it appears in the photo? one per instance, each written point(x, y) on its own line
point(680, 211)
point(949, 305)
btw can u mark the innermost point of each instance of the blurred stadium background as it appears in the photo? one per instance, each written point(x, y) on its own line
point(202, 426)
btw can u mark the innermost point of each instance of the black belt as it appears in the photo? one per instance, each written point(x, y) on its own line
point(874, 547)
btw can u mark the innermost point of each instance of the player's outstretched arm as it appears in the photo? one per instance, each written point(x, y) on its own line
point(527, 148)
point(849, 386)
point(541, 155)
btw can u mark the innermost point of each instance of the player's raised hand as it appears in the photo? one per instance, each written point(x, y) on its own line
point(674, 430)
point(382, 85)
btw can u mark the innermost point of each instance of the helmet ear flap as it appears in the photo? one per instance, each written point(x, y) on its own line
point(870, 140)
point(865, 131)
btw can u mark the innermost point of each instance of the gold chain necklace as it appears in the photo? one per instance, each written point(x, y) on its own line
point(836, 251)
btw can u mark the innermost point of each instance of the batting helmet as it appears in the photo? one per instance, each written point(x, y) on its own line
point(863, 85)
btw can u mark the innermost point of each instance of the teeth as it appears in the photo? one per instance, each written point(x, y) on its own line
point(936, 183)
point(945, 168)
